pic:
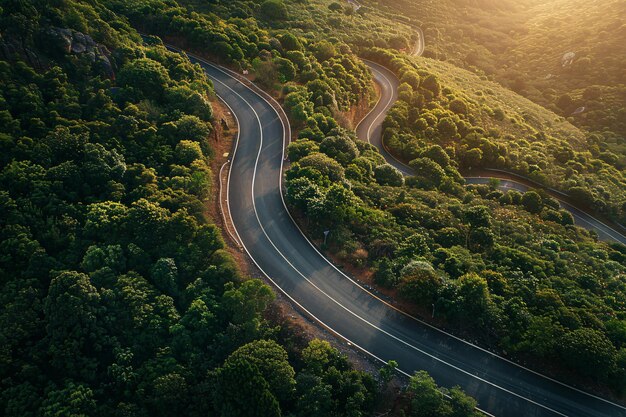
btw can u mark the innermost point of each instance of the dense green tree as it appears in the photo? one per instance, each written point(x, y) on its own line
point(341, 148)
point(588, 351)
point(286, 69)
point(240, 391)
point(473, 304)
point(412, 78)
point(388, 175)
point(319, 355)
point(462, 405)
point(421, 286)
point(272, 362)
point(301, 148)
point(314, 396)
point(324, 165)
point(146, 76)
point(428, 172)
point(298, 106)
point(426, 398)
point(324, 50)
point(290, 42)
point(73, 310)
point(274, 9)
point(458, 106)
point(437, 154)
point(69, 401)
point(248, 301)
point(431, 83)
point(532, 201)
point(477, 216)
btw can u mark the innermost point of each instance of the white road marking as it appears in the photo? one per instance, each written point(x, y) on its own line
point(360, 287)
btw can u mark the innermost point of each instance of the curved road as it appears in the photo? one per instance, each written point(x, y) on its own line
point(370, 129)
point(276, 245)
point(421, 44)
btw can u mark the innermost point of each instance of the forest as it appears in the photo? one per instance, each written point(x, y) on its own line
point(119, 295)
point(564, 55)
point(483, 126)
point(507, 268)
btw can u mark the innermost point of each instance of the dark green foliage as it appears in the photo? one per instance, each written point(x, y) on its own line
point(420, 286)
point(532, 202)
point(241, 391)
point(388, 175)
point(464, 115)
point(504, 267)
point(589, 352)
point(274, 10)
point(428, 173)
point(144, 77)
point(429, 400)
point(431, 83)
point(271, 361)
point(118, 296)
point(340, 147)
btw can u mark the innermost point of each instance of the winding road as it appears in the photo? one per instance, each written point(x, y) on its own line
point(321, 291)
point(370, 130)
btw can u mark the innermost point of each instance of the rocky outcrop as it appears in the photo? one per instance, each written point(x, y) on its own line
point(69, 41)
point(55, 41)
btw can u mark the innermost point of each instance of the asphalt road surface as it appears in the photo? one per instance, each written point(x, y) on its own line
point(321, 291)
point(370, 129)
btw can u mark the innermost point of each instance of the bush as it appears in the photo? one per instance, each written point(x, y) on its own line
point(388, 175)
point(274, 9)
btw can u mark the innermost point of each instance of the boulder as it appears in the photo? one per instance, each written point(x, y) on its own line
point(61, 38)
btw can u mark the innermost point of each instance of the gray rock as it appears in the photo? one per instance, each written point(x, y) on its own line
point(54, 40)
point(61, 37)
point(82, 43)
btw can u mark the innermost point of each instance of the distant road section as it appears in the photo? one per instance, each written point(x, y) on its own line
point(370, 130)
point(321, 291)
point(420, 44)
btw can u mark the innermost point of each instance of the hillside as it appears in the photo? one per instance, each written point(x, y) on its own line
point(320, 19)
point(483, 125)
point(119, 295)
point(521, 118)
point(522, 46)
point(595, 32)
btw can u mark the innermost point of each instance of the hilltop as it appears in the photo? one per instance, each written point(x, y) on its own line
point(522, 45)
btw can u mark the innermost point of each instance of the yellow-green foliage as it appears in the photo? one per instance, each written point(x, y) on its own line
point(486, 96)
point(521, 44)
point(500, 129)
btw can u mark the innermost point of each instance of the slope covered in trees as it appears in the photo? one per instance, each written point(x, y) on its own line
point(119, 297)
point(562, 54)
point(482, 125)
point(507, 268)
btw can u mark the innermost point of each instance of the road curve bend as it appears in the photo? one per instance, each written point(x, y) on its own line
point(280, 250)
point(369, 129)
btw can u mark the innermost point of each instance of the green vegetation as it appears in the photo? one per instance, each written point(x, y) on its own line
point(317, 19)
point(523, 46)
point(119, 296)
point(481, 125)
point(334, 78)
point(507, 268)
point(426, 399)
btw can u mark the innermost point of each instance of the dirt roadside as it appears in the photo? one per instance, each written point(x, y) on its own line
point(282, 312)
